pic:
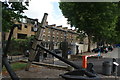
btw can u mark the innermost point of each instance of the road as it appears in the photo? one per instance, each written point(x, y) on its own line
point(98, 62)
point(43, 72)
point(114, 54)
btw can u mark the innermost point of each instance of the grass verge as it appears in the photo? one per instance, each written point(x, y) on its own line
point(15, 66)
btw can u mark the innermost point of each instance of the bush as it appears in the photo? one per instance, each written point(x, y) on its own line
point(19, 46)
point(14, 53)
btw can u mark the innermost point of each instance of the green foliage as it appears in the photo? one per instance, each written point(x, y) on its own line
point(11, 11)
point(14, 53)
point(19, 46)
point(117, 37)
point(95, 19)
point(16, 66)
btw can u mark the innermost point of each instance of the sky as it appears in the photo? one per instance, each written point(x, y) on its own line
point(37, 8)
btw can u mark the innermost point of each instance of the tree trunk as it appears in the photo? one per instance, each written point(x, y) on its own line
point(97, 44)
point(89, 43)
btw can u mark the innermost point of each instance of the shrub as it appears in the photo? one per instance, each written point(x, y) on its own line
point(14, 53)
point(19, 46)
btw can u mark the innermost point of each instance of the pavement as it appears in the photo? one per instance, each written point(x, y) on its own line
point(98, 62)
point(37, 73)
point(113, 54)
point(54, 73)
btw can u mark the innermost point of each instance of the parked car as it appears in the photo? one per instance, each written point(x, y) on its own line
point(103, 49)
point(95, 50)
point(106, 50)
point(110, 48)
point(57, 51)
point(117, 45)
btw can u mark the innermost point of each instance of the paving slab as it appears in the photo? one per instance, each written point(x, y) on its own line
point(39, 72)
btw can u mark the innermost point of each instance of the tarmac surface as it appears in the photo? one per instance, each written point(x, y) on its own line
point(45, 73)
point(37, 72)
point(98, 62)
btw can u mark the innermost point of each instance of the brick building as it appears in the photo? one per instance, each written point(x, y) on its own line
point(52, 35)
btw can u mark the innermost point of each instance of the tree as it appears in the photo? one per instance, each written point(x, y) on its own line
point(12, 11)
point(95, 19)
point(117, 37)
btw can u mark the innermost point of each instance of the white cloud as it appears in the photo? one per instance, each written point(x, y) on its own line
point(37, 8)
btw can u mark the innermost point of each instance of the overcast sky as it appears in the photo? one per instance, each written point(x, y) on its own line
point(37, 8)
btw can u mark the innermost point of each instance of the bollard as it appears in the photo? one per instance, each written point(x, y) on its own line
point(90, 68)
point(84, 61)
